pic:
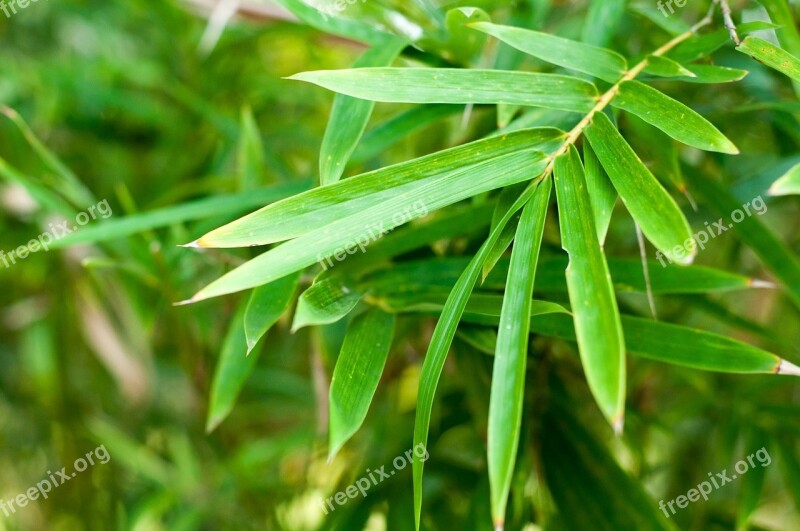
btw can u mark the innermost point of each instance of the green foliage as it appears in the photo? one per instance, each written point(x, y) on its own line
point(430, 293)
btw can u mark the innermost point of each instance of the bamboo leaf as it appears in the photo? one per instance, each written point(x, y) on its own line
point(674, 118)
point(591, 295)
point(787, 184)
point(437, 85)
point(349, 116)
point(595, 61)
point(346, 28)
point(772, 56)
point(319, 207)
point(679, 345)
point(508, 375)
point(266, 305)
point(356, 231)
point(714, 74)
point(357, 373)
point(325, 302)
point(441, 340)
point(650, 205)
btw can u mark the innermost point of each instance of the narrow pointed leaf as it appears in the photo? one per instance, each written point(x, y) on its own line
point(679, 345)
point(772, 56)
point(266, 305)
point(595, 61)
point(442, 338)
point(347, 28)
point(356, 231)
point(508, 375)
point(349, 117)
point(319, 207)
point(451, 85)
point(591, 295)
point(788, 184)
point(674, 118)
point(357, 373)
point(650, 205)
point(714, 74)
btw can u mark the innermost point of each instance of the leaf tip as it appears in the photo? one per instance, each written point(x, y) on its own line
point(618, 424)
point(195, 244)
point(787, 368)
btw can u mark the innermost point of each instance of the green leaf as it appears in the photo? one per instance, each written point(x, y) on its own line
point(714, 74)
point(349, 117)
point(788, 184)
point(442, 338)
point(602, 195)
point(679, 345)
point(508, 375)
point(233, 368)
point(325, 302)
point(319, 207)
point(591, 295)
point(665, 67)
point(250, 159)
point(357, 373)
point(598, 62)
point(772, 56)
point(672, 25)
point(356, 231)
point(266, 305)
point(223, 205)
point(451, 85)
point(771, 250)
point(650, 205)
point(674, 118)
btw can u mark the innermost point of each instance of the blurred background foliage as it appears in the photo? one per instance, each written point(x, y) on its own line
point(92, 350)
